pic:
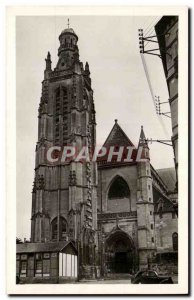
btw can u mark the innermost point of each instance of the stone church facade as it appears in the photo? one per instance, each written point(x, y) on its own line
point(108, 214)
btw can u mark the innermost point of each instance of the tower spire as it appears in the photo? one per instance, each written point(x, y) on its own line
point(48, 64)
point(142, 138)
point(144, 144)
point(68, 22)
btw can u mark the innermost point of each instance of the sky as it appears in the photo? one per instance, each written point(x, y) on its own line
point(111, 47)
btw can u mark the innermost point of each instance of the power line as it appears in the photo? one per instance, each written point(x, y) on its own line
point(151, 91)
point(150, 35)
point(152, 27)
point(147, 77)
point(146, 27)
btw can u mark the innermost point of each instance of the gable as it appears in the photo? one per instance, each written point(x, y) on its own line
point(117, 137)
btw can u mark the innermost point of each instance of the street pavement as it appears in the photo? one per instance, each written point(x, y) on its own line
point(117, 281)
point(107, 281)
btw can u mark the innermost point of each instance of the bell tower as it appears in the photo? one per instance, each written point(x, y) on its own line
point(64, 197)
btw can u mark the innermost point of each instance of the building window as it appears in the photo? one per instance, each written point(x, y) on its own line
point(53, 254)
point(54, 229)
point(152, 240)
point(150, 213)
point(173, 215)
point(152, 226)
point(61, 106)
point(18, 267)
point(38, 265)
point(150, 199)
point(46, 255)
point(46, 265)
point(23, 269)
point(23, 257)
point(119, 189)
point(175, 241)
point(38, 268)
point(62, 228)
point(148, 187)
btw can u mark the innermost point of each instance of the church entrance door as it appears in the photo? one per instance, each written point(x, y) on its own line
point(121, 262)
point(120, 254)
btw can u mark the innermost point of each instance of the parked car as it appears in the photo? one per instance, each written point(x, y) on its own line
point(151, 277)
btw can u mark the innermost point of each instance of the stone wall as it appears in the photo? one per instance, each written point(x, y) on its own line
point(105, 178)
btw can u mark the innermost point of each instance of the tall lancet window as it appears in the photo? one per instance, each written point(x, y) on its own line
point(65, 115)
point(61, 116)
point(57, 116)
point(61, 227)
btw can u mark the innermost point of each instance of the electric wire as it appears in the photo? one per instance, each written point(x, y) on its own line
point(149, 41)
point(148, 32)
point(150, 19)
point(150, 27)
point(151, 91)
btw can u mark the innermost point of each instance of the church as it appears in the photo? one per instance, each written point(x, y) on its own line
point(96, 218)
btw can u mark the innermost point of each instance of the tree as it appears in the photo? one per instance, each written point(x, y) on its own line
point(18, 241)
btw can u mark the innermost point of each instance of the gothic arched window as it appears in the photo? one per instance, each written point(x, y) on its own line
point(61, 109)
point(57, 112)
point(54, 229)
point(175, 241)
point(65, 114)
point(62, 227)
point(119, 189)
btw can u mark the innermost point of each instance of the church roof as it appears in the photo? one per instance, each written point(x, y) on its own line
point(117, 137)
point(168, 176)
point(68, 30)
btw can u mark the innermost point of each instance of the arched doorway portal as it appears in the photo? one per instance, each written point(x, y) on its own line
point(119, 253)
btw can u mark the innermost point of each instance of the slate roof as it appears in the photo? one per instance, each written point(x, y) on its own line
point(43, 247)
point(117, 137)
point(68, 30)
point(166, 206)
point(168, 176)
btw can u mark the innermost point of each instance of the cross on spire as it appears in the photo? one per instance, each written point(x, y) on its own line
point(68, 22)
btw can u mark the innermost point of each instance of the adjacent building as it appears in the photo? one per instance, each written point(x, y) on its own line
point(167, 35)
